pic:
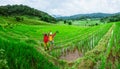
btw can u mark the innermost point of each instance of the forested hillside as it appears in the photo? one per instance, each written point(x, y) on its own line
point(18, 10)
point(84, 16)
point(114, 18)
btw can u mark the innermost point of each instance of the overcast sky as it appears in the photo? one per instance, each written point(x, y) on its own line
point(69, 7)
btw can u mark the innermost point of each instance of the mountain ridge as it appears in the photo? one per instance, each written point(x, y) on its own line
point(90, 15)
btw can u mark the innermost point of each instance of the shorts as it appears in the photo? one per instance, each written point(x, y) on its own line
point(52, 42)
point(45, 44)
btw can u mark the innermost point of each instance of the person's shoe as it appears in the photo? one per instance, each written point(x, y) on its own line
point(47, 48)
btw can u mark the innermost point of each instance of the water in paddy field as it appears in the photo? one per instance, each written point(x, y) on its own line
point(70, 56)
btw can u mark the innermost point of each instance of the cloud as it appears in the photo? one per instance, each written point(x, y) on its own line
point(69, 7)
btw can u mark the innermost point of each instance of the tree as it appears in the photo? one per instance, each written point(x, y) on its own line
point(65, 21)
point(96, 24)
point(70, 23)
point(114, 18)
point(19, 18)
point(19, 10)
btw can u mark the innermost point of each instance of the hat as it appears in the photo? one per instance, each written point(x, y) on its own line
point(50, 33)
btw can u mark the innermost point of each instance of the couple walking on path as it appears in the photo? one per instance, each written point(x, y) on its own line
point(49, 38)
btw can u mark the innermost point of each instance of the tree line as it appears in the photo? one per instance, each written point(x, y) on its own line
point(84, 16)
point(15, 10)
point(114, 18)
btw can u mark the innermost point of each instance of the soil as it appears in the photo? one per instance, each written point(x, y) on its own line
point(70, 56)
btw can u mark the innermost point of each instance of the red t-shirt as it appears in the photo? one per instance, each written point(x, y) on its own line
point(46, 39)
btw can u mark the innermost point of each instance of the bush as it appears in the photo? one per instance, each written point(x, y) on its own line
point(65, 22)
point(19, 19)
point(96, 24)
point(70, 23)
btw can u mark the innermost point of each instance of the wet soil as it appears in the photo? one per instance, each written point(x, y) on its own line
point(70, 56)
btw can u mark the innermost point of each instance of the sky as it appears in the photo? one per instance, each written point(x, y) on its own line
point(69, 7)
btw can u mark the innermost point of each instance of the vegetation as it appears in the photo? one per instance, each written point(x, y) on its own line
point(21, 41)
point(3, 61)
point(83, 44)
point(88, 22)
point(112, 58)
point(23, 56)
point(19, 19)
point(70, 23)
point(114, 18)
point(19, 49)
point(18, 10)
point(85, 16)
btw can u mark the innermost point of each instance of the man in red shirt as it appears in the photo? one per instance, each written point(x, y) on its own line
point(46, 39)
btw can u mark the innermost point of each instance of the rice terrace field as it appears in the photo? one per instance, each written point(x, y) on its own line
point(88, 43)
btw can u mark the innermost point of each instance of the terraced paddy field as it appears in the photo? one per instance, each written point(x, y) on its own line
point(95, 47)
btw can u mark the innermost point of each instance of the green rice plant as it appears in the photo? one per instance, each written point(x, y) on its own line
point(23, 56)
point(87, 42)
point(3, 60)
